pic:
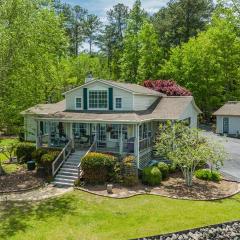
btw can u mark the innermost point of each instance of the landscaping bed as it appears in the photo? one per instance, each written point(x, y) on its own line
point(173, 187)
point(20, 181)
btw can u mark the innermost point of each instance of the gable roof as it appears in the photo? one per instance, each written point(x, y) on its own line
point(130, 87)
point(231, 108)
point(165, 108)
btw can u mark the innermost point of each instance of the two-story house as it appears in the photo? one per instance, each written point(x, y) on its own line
point(122, 118)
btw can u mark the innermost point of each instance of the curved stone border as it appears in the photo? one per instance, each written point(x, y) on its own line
point(193, 230)
point(22, 190)
point(36, 195)
point(155, 194)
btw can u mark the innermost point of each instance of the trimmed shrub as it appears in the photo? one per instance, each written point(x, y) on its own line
point(98, 167)
point(37, 154)
point(206, 174)
point(47, 160)
point(151, 176)
point(172, 168)
point(130, 172)
point(24, 151)
point(164, 169)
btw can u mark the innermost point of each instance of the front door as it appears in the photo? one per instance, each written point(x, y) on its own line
point(225, 125)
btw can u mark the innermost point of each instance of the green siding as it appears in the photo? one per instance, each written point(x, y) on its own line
point(110, 98)
point(85, 98)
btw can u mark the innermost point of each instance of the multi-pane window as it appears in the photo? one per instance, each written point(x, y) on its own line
point(98, 99)
point(78, 103)
point(116, 132)
point(79, 129)
point(118, 103)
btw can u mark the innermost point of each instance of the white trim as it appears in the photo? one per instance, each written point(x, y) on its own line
point(75, 103)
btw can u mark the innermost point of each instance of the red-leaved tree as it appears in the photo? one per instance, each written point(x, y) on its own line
point(168, 87)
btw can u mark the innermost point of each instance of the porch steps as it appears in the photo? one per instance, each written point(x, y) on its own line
point(68, 173)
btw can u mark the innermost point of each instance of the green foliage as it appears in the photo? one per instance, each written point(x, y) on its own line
point(24, 151)
point(164, 169)
point(208, 65)
point(38, 153)
point(185, 147)
point(32, 45)
point(47, 159)
point(172, 168)
point(130, 172)
point(150, 54)
point(131, 55)
point(206, 174)
point(180, 20)
point(97, 167)
point(151, 176)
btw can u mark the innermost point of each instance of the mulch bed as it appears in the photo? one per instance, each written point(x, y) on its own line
point(173, 187)
point(20, 181)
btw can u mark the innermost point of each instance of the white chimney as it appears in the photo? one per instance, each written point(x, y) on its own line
point(89, 77)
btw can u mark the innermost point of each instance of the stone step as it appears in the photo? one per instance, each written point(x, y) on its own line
point(62, 176)
point(60, 183)
point(71, 168)
point(74, 165)
point(68, 173)
point(67, 180)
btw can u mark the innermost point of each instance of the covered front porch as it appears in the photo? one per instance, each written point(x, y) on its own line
point(118, 138)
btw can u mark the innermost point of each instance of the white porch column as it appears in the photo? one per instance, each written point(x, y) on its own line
point(121, 140)
point(37, 134)
point(136, 145)
point(49, 133)
point(71, 134)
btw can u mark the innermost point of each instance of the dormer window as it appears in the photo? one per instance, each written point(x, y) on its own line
point(118, 103)
point(98, 99)
point(78, 103)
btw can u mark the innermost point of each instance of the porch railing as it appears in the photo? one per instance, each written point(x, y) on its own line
point(145, 144)
point(93, 147)
point(42, 139)
point(63, 155)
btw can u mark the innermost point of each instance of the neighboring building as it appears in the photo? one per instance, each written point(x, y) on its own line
point(228, 118)
point(122, 118)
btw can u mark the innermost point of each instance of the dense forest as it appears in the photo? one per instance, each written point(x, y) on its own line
point(194, 42)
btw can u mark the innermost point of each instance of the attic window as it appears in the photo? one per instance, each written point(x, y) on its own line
point(78, 103)
point(118, 103)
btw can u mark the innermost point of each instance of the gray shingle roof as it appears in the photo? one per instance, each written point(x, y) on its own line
point(134, 88)
point(229, 109)
point(162, 109)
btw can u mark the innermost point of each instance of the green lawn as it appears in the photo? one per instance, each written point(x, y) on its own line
point(9, 168)
point(83, 216)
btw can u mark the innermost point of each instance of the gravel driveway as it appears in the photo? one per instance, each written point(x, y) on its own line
point(231, 168)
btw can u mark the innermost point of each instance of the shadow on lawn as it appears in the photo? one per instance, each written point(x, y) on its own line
point(17, 216)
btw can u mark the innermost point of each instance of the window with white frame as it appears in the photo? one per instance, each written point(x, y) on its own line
point(79, 129)
point(98, 99)
point(78, 103)
point(118, 103)
point(115, 132)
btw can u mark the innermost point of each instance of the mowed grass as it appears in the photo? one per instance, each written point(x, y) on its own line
point(9, 168)
point(83, 216)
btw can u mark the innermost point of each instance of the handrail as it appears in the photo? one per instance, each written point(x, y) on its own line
point(60, 161)
point(89, 150)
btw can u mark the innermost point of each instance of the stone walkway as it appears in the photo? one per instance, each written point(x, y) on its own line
point(43, 193)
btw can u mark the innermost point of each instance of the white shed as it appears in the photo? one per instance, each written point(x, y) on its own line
point(228, 118)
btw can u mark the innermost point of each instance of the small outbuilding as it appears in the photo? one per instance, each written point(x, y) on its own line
point(228, 118)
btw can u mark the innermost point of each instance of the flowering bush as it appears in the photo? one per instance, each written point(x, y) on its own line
point(168, 87)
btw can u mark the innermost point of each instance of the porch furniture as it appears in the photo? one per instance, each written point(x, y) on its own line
point(130, 145)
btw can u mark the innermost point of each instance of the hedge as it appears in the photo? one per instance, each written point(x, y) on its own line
point(98, 167)
point(151, 176)
point(206, 174)
point(24, 151)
